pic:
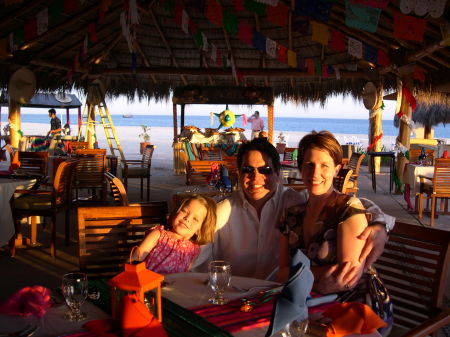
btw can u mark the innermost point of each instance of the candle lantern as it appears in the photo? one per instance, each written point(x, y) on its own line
point(137, 279)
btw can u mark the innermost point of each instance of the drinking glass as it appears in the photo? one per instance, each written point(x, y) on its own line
point(219, 279)
point(295, 328)
point(75, 291)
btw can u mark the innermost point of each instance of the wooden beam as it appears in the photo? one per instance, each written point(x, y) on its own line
point(57, 66)
point(289, 31)
point(256, 72)
point(25, 9)
point(150, 13)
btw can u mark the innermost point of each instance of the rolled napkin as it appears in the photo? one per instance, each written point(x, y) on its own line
point(290, 304)
point(352, 318)
point(28, 301)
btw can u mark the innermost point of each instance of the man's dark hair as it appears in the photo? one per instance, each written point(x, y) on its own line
point(257, 112)
point(52, 111)
point(260, 145)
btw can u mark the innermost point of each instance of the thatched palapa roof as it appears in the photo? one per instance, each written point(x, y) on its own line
point(306, 50)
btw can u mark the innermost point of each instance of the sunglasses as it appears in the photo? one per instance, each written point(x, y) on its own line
point(266, 170)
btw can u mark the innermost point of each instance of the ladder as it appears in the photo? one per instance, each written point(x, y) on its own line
point(95, 102)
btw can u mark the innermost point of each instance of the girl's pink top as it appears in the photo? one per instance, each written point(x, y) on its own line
point(171, 255)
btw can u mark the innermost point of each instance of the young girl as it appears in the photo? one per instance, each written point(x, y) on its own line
point(192, 224)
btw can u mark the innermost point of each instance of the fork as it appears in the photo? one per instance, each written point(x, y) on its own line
point(25, 332)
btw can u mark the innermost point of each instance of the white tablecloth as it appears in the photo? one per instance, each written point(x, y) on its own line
point(7, 188)
point(412, 173)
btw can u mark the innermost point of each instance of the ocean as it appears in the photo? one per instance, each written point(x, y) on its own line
point(343, 126)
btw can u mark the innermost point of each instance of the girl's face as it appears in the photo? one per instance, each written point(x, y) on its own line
point(318, 171)
point(189, 219)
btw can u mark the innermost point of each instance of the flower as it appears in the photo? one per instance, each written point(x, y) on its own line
point(145, 135)
point(281, 138)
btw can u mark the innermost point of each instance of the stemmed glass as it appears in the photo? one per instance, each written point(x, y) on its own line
point(219, 279)
point(75, 291)
point(296, 328)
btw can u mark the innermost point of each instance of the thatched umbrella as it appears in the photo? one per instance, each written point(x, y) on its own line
point(429, 115)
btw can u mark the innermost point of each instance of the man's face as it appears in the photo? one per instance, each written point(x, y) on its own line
point(257, 185)
point(50, 115)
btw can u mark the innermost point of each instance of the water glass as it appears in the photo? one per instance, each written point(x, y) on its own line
point(219, 279)
point(296, 328)
point(75, 291)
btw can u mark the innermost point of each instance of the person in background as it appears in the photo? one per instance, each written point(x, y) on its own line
point(327, 226)
point(246, 232)
point(172, 251)
point(55, 130)
point(257, 124)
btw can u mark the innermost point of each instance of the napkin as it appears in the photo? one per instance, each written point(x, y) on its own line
point(350, 318)
point(28, 301)
point(290, 304)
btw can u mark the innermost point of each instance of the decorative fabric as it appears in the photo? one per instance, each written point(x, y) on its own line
point(255, 7)
point(310, 66)
point(259, 41)
point(171, 255)
point(370, 53)
point(30, 29)
point(281, 53)
point(361, 17)
point(214, 12)
point(245, 33)
point(42, 21)
point(318, 9)
point(271, 48)
point(292, 58)
point(354, 48)
point(337, 41)
point(408, 27)
point(28, 301)
point(278, 15)
point(319, 33)
point(230, 22)
point(383, 58)
point(382, 4)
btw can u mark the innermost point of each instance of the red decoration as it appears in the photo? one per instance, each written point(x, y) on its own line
point(178, 14)
point(371, 3)
point(92, 32)
point(281, 53)
point(70, 6)
point(408, 27)
point(245, 33)
point(337, 40)
point(238, 5)
point(383, 58)
point(192, 27)
point(214, 12)
point(418, 74)
point(278, 15)
point(310, 66)
point(410, 98)
point(219, 58)
point(375, 140)
point(30, 29)
point(324, 70)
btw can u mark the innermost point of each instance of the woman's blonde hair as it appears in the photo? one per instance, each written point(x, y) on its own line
point(322, 140)
point(206, 233)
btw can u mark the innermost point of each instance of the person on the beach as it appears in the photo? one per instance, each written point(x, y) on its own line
point(257, 124)
point(246, 233)
point(55, 130)
point(327, 226)
point(172, 251)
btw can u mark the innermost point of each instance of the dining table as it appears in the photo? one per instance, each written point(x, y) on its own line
point(411, 178)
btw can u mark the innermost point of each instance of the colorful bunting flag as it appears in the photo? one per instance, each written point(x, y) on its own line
point(319, 33)
point(17, 39)
point(42, 21)
point(92, 32)
point(337, 41)
point(370, 54)
point(271, 48)
point(310, 66)
point(4, 48)
point(230, 22)
point(185, 22)
point(324, 71)
point(292, 58)
point(269, 2)
point(104, 6)
point(238, 5)
point(317, 67)
point(382, 4)
point(281, 53)
point(205, 42)
point(30, 29)
point(383, 58)
point(317, 9)
point(55, 10)
point(354, 47)
point(178, 14)
point(214, 12)
point(337, 72)
point(278, 15)
point(213, 53)
point(255, 7)
point(198, 38)
point(192, 27)
point(169, 6)
point(361, 17)
point(70, 6)
point(133, 62)
point(418, 74)
point(245, 32)
point(259, 41)
point(408, 27)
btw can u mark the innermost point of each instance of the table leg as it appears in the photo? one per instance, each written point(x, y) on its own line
point(374, 182)
point(391, 172)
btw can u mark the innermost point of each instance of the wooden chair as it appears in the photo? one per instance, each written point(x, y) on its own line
point(288, 153)
point(89, 174)
point(415, 153)
point(342, 179)
point(197, 171)
point(79, 145)
point(208, 153)
point(139, 169)
point(90, 151)
point(439, 187)
point(414, 267)
point(45, 203)
point(107, 234)
point(354, 163)
point(118, 191)
point(33, 164)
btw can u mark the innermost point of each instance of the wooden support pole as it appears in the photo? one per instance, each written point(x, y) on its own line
point(376, 127)
point(175, 123)
point(182, 116)
point(270, 122)
point(404, 129)
point(14, 123)
point(428, 132)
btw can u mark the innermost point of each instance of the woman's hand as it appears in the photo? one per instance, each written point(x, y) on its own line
point(375, 237)
point(336, 278)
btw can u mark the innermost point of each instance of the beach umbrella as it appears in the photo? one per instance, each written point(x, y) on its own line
point(429, 115)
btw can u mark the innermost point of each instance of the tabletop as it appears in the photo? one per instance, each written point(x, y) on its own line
point(411, 175)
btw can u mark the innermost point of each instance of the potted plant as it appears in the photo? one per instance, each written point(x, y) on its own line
point(281, 143)
point(145, 135)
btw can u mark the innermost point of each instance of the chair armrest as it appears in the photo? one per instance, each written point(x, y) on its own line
point(131, 161)
point(422, 178)
point(431, 325)
point(32, 192)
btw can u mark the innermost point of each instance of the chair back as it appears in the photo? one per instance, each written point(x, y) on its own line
point(62, 184)
point(90, 170)
point(79, 145)
point(415, 153)
point(354, 163)
point(288, 153)
point(118, 191)
point(107, 234)
point(147, 155)
point(441, 178)
point(414, 267)
point(90, 151)
point(33, 163)
point(342, 179)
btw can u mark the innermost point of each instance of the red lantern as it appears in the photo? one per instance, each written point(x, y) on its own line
point(137, 279)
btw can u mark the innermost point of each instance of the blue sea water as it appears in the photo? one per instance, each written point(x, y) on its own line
point(344, 126)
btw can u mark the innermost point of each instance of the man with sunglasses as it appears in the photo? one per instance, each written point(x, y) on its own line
point(246, 231)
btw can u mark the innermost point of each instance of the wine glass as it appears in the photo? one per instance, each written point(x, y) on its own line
point(219, 279)
point(75, 291)
point(296, 328)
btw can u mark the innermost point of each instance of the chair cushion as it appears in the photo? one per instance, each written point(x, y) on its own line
point(33, 201)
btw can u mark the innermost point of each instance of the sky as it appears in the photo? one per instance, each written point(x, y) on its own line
point(336, 107)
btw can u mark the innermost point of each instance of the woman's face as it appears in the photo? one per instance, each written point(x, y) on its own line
point(318, 170)
point(189, 219)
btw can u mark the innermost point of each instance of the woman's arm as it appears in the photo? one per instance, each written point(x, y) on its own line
point(146, 245)
point(349, 246)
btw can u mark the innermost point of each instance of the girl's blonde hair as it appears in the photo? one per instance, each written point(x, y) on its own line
point(206, 233)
